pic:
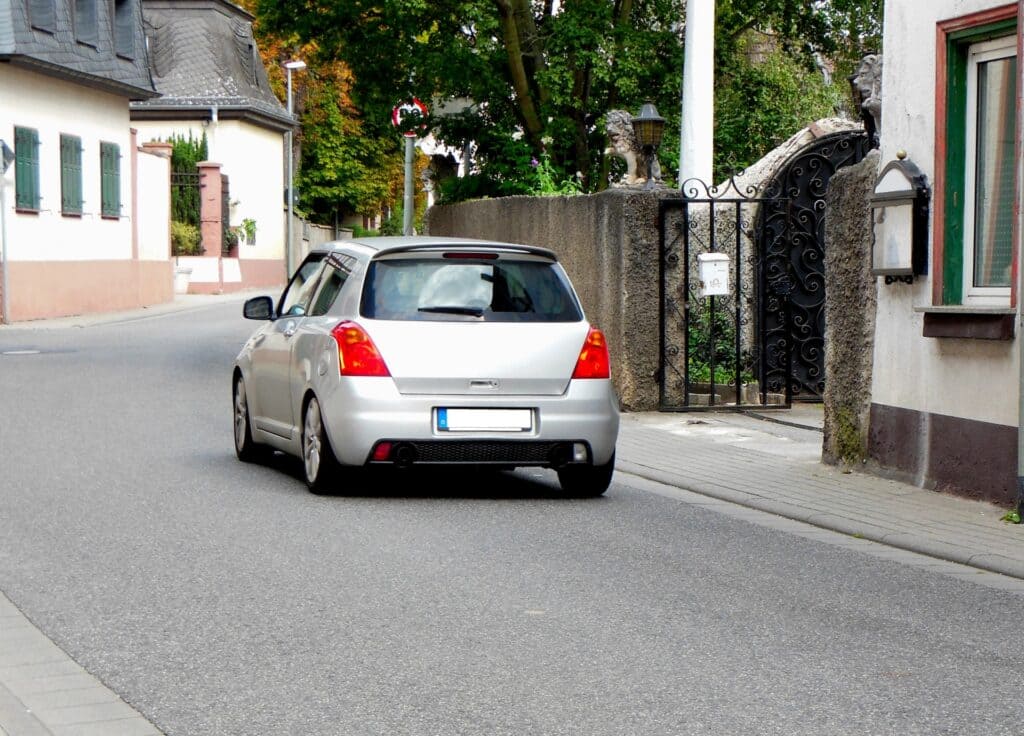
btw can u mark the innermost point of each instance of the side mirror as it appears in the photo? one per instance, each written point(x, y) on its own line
point(259, 307)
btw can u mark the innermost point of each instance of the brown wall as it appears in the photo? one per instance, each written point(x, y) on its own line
point(962, 456)
point(42, 289)
point(608, 244)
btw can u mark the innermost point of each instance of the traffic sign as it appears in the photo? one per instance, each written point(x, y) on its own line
point(405, 115)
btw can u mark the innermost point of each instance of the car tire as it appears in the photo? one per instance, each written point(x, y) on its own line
point(586, 481)
point(245, 448)
point(320, 466)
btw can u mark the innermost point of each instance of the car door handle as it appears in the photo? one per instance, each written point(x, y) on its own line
point(290, 329)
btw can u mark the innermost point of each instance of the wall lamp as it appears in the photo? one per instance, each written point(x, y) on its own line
point(899, 222)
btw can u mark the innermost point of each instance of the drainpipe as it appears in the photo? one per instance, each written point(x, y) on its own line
point(6, 157)
point(1020, 273)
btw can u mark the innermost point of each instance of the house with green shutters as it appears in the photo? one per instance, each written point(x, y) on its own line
point(78, 237)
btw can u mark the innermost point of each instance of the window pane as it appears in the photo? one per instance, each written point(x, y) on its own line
point(492, 291)
point(993, 212)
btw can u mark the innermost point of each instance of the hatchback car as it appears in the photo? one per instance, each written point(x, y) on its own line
point(416, 351)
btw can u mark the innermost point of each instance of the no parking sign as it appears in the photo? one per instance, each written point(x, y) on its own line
point(408, 117)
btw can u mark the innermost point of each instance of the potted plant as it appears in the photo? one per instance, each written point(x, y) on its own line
point(185, 241)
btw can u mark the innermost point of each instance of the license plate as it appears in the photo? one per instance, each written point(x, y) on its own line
point(484, 420)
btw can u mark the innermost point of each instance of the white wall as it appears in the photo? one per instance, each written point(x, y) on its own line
point(974, 379)
point(253, 159)
point(53, 107)
point(154, 214)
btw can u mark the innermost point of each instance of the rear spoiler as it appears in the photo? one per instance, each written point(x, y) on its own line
point(510, 248)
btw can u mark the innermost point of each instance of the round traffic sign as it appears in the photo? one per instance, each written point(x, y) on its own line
point(405, 115)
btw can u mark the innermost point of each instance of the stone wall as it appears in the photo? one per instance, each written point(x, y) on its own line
point(608, 244)
point(850, 306)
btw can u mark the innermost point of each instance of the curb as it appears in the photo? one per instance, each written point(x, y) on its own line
point(840, 524)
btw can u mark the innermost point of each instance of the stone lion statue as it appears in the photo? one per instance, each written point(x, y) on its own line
point(867, 88)
point(622, 143)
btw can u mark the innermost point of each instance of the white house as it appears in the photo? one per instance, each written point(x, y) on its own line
point(211, 80)
point(946, 380)
point(78, 239)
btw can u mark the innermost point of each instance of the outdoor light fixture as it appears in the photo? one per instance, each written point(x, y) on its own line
point(649, 127)
point(899, 222)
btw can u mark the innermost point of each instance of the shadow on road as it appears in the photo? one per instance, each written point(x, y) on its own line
point(433, 482)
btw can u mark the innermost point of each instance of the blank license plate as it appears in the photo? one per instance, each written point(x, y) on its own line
point(486, 420)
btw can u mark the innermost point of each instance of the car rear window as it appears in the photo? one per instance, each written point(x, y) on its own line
point(491, 290)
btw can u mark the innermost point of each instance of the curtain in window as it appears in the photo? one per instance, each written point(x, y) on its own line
point(994, 190)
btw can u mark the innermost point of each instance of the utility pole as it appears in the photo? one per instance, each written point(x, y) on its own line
point(697, 124)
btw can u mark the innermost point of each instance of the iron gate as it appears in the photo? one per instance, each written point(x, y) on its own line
point(761, 344)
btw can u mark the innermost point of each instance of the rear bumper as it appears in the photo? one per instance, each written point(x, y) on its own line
point(360, 412)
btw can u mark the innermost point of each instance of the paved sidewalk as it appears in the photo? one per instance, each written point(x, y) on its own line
point(769, 462)
point(764, 462)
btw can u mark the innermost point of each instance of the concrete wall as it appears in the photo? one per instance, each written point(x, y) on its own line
point(850, 303)
point(154, 208)
point(608, 244)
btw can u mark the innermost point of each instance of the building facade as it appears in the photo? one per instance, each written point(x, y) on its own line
point(72, 218)
point(947, 355)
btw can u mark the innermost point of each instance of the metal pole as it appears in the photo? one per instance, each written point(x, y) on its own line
point(288, 225)
point(3, 248)
point(410, 143)
point(696, 128)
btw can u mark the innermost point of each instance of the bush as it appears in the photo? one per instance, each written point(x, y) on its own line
point(185, 239)
point(358, 231)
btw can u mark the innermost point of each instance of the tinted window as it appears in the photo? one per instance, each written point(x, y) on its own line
point(295, 299)
point(334, 278)
point(502, 290)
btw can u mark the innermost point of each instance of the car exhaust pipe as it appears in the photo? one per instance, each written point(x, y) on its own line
point(404, 455)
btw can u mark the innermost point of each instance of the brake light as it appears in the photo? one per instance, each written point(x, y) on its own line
point(357, 355)
point(594, 361)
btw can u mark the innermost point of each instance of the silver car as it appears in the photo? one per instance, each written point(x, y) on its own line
point(416, 351)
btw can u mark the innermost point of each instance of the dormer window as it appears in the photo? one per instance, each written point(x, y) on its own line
point(41, 15)
point(123, 28)
point(86, 30)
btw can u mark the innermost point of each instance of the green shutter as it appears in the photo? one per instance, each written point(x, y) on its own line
point(110, 179)
point(71, 174)
point(26, 168)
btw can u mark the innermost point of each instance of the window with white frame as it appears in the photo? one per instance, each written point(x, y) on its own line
point(990, 101)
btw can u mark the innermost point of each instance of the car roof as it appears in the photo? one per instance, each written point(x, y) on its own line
point(400, 243)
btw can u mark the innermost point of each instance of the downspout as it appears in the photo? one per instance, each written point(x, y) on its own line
point(1020, 287)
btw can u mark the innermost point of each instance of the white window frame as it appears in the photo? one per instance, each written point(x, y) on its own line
point(998, 48)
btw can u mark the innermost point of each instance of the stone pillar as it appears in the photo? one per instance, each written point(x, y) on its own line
point(210, 226)
point(850, 303)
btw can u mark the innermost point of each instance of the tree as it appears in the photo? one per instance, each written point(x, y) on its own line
point(342, 168)
point(543, 74)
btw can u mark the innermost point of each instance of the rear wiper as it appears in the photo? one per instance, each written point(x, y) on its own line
point(469, 311)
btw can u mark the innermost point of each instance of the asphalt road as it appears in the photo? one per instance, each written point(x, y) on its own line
point(222, 598)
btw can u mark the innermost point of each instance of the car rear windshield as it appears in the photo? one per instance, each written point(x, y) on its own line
point(489, 290)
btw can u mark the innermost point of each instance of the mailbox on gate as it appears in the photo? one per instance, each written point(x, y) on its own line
point(713, 270)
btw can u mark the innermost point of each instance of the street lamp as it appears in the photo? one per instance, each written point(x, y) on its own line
point(296, 65)
point(649, 127)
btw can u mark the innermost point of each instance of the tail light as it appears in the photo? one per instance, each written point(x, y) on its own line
point(593, 361)
point(357, 355)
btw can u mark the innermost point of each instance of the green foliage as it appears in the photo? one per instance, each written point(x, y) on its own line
point(760, 105)
point(536, 73)
point(358, 231)
point(551, 182)
point(185, 239)
point(712, 338)
point(395, 224)
point(1011, 517)
point(185, 154)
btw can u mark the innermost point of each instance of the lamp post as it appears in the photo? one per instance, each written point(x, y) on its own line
point(294, 65)
point(649, 127)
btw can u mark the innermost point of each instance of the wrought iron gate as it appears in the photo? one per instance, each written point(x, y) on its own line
point(761, 344)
